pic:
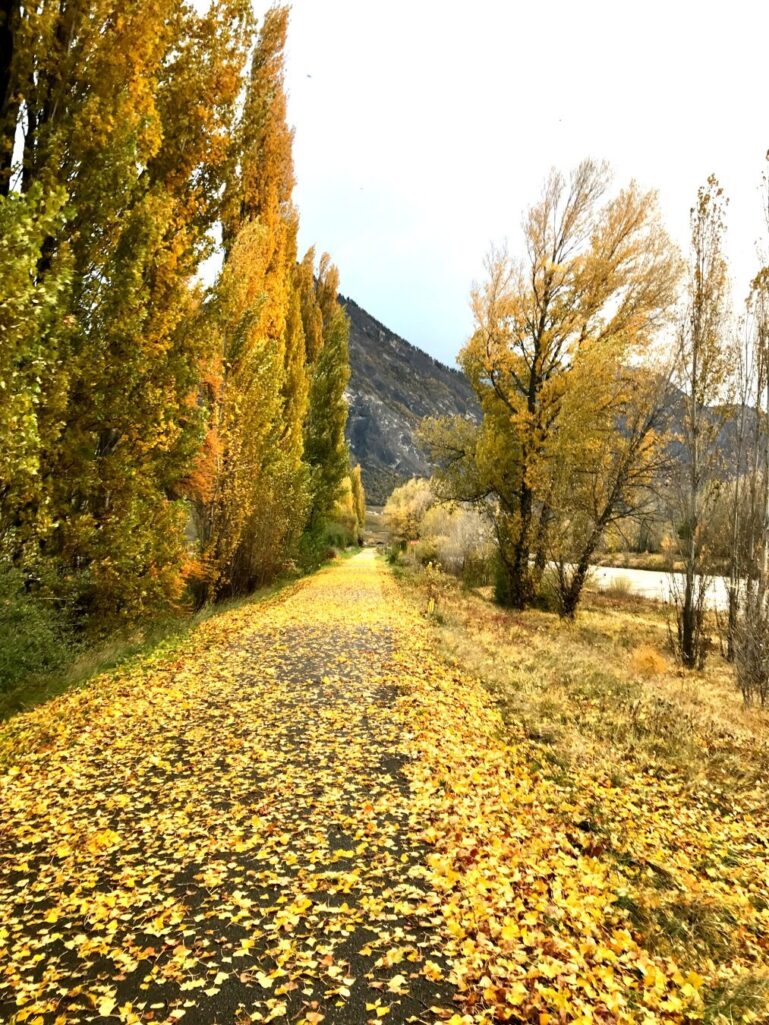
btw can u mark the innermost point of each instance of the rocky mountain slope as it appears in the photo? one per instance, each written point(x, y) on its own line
point(393, 385)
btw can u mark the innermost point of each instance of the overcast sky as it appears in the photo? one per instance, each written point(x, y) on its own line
point(425, 128)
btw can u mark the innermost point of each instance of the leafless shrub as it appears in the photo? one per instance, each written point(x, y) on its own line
point(751, 648)
point(688, 638)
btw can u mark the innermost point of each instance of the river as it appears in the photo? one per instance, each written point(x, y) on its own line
point(655, 583)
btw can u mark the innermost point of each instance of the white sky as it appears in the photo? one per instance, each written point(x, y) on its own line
point(427, 127)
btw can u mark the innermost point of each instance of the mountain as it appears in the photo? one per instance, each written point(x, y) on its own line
point(393, 385)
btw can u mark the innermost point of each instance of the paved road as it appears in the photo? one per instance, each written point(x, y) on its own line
point(223, 836)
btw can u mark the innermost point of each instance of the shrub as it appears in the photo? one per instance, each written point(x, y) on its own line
point(320, 544)
point(339, 535)
point(751, 649)
point(394, 554)
point(548, 594)
point(479, 570)
point(502, 593)
point(426, 551)
point(406, 507)
point(32, 636)
point(646, 662)
point(619, 587)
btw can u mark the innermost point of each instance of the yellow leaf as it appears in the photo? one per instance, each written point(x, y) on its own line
point(106, 1006)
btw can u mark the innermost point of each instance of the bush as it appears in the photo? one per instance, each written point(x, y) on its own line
point(426, 551)
point(502, 595)
point(479, 570)
point(619, 587)
point(455, 536)
point(394, 553)
point(751, 649)
point(322, 543)
point(647, 662)
point(406, 508)
point(32, 636)
point(338, 535)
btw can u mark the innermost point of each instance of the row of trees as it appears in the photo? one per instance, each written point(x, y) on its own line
point(156, 435)
point(607, 389)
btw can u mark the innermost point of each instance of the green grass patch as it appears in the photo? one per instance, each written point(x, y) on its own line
point(35, 676)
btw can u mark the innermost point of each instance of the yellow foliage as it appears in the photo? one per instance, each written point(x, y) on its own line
point(555, 333)
point(249, 762)
point(647, 661)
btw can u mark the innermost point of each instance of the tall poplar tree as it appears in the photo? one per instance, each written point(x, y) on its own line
point(157, 432)
point(130, 113)
point(705, 360)
point(30, 305)
point(324, 437)
point(252, 513)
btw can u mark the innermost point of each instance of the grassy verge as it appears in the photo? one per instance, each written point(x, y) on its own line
point(665, 774)
point(159, 638)
point(73, 666)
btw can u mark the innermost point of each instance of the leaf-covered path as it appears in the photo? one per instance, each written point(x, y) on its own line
point(225, 837)
point(308, 814)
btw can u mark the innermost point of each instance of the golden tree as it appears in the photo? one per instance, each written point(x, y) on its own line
point(358, 496)
point(597, 282)
point(250, 485)
point(130, 114)
point(324, 432)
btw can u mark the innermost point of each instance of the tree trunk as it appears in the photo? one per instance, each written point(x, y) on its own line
point(521, 590)
point(687, 627)
point(540, 552)
point(9, 104)
point(571, 594)
point(731, 622)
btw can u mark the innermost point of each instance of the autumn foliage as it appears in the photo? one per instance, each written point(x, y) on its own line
point(161, 440)
point(556, 333)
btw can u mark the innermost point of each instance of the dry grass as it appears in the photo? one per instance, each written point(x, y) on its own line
point(648, 662)
point(619, 587)
point(616, 653)
point(667, 768)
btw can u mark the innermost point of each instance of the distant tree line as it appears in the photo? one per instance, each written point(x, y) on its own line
point(162, 440)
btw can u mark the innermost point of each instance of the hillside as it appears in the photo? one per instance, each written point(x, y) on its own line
point(393, 385)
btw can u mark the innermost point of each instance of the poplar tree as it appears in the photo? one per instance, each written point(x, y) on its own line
point(30, 304)
point(358, 495)
point(324, 436)
point(705, 361)
point(253, 511)
point(156, 435)
point(130, 115)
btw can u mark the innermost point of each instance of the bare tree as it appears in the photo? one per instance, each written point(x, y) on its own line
point(749, 585)
point(702, 372)
point(745, 384)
